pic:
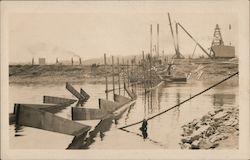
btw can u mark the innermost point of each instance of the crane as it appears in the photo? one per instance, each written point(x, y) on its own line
point(176, 46)
point(197, 43)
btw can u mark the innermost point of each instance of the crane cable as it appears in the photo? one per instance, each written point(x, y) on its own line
point(135, 123)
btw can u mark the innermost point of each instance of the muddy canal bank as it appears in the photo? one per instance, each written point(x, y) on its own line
point(207, 71)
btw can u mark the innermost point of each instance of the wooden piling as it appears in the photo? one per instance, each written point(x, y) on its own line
point(113, 75)
point(147, 71)
point(85, 94)
point(177, 40)
point(70, 88)
point(130, 93)
point(106, 76)
point(158, 44)
point(151, 32)
point(150, 72)
point(128, 72)
point(119, 80)
point(132, 71)
point(143, 68)
point(124, 78)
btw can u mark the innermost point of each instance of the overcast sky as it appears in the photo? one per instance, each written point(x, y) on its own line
point(112, 28)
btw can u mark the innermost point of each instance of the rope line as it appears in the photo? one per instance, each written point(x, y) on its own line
point(181, 102)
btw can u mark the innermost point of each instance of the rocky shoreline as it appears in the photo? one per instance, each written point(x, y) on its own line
point(211, 131)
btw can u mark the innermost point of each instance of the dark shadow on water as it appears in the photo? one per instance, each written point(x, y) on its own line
point(86, 139)
point(223, 99)
point(83, 142)
point(18, 135)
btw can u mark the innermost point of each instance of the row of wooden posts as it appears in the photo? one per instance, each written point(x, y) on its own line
point(42, 115)
point(145, 66)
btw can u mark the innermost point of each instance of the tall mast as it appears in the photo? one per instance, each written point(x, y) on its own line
point(178, 54)
point(198, 44)
point(158, 45)
point(172, 33)
point(151, 33)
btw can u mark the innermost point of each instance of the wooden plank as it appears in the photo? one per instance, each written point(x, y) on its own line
point(122, 109)
point(72, 90)
point(56, 108)
point(130, 93)
point(121, 99)
point(79, 113)
point(153, 88)
point(52, 108)
point(108, 106)
point(128, 75)
point(57, 100)
point(84, 94)
point(44, 107)
point(31, 117)
point(106, 109)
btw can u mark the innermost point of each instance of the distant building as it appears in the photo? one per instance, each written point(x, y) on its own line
point(41, 61)
point(32, 62)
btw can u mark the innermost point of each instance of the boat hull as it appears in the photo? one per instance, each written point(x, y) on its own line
point(223, 51)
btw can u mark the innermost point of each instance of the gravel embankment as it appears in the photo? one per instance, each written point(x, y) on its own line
point(217, 129)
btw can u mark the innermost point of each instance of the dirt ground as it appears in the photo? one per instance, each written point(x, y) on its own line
point(206, 70)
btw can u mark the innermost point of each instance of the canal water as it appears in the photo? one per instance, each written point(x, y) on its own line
point(163, 132)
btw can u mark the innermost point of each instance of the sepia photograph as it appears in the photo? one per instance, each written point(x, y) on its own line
point(125, 80)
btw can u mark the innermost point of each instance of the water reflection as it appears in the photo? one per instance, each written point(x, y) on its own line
point(128, 113)
point(18, 129)
point(222, 99)
point(177, 110)
point(80, 103)
point(83, 142)
point(163, 130)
